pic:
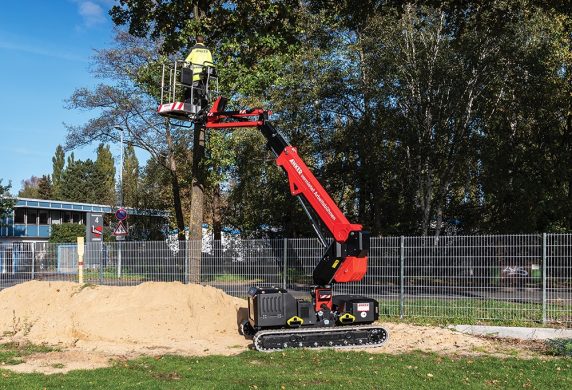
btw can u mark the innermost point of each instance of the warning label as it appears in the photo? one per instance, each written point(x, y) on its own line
point(363, 306)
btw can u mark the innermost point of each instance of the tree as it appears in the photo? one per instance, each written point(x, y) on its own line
point(45, 187)
point(58, 162)
point(407, 93)
point(82, 181)
point(7, 202)
point(29, 188)
point(106, 172)
point(129, 103)
point(36, 188)
point(264, 35)
point(130, 177)
point(421, 116)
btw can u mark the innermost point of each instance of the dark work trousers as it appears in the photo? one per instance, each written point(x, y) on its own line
point(198, 92)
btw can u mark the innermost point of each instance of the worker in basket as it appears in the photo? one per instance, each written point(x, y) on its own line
point(200, 61)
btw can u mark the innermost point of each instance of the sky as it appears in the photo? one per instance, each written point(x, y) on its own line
point(45, 54)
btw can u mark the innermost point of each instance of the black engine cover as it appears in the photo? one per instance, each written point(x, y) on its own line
point(270, 307)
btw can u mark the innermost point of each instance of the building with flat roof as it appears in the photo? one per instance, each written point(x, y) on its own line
point(31, 219)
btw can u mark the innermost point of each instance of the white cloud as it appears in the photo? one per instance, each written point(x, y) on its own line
point(93, 12)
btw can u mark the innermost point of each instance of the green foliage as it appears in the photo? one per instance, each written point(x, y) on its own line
point(45, 187)
point(88, 181)
point(66, 232)
point(58, 162)
point(404, 105)
point(37, 188)
point(6, 201)
point(106, 175)
point(560, 347)
point(13, 353)
point(263, 32)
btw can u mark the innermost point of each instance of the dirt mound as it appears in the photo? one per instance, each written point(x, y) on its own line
point(92, 324)
point(190, 319)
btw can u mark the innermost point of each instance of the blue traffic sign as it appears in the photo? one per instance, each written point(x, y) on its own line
point(121, 214)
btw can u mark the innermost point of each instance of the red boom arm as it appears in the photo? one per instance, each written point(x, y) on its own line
point(346, 258)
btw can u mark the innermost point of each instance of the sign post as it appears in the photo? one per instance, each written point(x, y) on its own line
point(120, 232)
point(80, 252)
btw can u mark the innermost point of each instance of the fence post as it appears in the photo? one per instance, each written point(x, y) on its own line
point(544, 260)
point(401, 277)
point(187, 279)
point(33, 258)
point(103, 253)
point(119, 259)
point(284, 263)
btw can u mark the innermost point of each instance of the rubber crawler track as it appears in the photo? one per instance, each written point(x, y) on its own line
point(340, 337)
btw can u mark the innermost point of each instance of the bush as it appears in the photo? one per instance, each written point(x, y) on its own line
point(560, 347)
point(67, 232)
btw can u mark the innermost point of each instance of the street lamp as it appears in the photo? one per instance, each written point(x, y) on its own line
point(119, 238)
point(120, 167)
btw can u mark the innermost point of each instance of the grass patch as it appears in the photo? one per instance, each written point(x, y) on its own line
point(473, 311)
point(230, 278)
point(310, 369)
point(95, 275)
point(12, 353)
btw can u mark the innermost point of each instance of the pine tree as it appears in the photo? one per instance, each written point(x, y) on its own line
point(71, 160)
point(106, 172)
point(45, 187)
point(82, 182)
point(58, 162)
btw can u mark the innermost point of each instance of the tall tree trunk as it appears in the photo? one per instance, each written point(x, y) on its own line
point(568, 148)
point(197, 204)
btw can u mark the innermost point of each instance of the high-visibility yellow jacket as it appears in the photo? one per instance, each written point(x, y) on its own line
point(197, 57)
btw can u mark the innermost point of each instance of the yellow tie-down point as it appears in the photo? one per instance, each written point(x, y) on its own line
point(295, 321)
point(346, 318)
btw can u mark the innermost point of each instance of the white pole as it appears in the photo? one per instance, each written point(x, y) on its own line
point(121, 173)
point(120, 197)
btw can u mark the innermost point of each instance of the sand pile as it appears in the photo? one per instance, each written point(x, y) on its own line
point(189, 319)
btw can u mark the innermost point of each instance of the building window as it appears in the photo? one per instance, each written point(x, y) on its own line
point(43, 217)
point(76, 218)
point(67, 217)
point(32, 217)
point(19, 215)
point(56, 215)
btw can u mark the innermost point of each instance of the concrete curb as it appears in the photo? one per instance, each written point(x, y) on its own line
point(514, 332)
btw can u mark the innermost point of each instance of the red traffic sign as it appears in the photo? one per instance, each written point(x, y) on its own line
point(121, 214)
point(120, 230)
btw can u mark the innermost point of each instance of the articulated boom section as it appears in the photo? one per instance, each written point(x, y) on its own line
point(345, 259)
point(302, 181)
point(278, 320)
